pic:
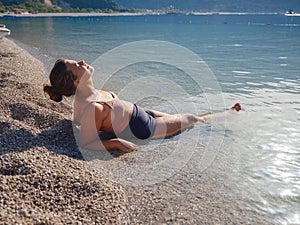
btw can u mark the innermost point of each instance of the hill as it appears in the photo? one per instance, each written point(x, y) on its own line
point(60, 5)
point(122, 5)
point(216, 5)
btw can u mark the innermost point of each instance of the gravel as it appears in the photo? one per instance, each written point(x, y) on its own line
point(43, 178)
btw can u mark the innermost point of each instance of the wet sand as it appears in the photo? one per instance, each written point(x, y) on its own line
point(45, 180)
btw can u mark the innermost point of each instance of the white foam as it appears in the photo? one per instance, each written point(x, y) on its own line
point(288, 25)
point(240, 72)
point(255, 84)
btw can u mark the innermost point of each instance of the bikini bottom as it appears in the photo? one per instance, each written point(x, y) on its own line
point(141, 126)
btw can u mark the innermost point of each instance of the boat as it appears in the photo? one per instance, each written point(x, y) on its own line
point(3, 31)
point(291, 13)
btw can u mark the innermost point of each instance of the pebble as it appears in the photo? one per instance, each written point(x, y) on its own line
point(22, 212)
point(76, 185)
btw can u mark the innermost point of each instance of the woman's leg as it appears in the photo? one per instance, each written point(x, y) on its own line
point(158, 114)
point(169, 125)
point(237, 107)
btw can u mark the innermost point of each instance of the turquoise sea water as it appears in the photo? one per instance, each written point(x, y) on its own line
point(256, 61)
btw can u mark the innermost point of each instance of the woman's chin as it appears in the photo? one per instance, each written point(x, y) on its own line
point(91, 69)
point(88, 73)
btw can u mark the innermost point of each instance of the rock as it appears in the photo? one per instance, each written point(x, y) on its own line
point(76, 185)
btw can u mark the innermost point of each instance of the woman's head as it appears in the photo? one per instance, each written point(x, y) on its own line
point(64, 78)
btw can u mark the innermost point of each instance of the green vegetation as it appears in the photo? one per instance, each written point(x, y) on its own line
point(137, 5)
point(35, 6)
point(30, 6)
point(215, 5)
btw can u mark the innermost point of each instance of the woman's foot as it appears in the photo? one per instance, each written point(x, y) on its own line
point(237, 107)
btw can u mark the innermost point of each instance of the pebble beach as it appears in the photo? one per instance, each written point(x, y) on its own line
point(43, 177)
point(45, 180)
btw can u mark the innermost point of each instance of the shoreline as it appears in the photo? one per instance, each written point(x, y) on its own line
point(92, 14)
point(154, 13)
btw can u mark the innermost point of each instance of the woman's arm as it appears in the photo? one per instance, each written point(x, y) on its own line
point(114, 143)
point(90, 123)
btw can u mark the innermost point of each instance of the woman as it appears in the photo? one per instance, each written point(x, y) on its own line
point(98, 110)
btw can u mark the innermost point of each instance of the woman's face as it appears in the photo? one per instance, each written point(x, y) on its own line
point(77, 68)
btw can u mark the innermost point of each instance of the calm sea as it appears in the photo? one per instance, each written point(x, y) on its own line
point(256, 61)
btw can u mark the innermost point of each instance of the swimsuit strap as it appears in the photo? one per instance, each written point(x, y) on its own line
point(112, 94)
point(108, 103)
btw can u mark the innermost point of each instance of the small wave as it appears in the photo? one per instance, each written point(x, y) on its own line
point(260, 24)
point(287, 25)
point(254, 84)
point(237, 45)
point(240, 72)
point(283, 64)
point(282, 57)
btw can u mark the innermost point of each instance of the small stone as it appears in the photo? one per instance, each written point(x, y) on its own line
point(22, 212)
point(76, 185)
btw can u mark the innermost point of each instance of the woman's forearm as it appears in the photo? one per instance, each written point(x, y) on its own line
point(111, 144)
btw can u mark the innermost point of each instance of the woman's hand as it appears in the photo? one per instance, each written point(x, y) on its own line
point(127, 146)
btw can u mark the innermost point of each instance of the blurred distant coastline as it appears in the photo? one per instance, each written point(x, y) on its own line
point(42, 8)
point(147, 12)
point(70, 14)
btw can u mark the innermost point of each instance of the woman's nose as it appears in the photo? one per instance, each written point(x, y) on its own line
point(82, 62)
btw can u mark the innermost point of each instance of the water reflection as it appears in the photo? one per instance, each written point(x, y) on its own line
point(269, 150)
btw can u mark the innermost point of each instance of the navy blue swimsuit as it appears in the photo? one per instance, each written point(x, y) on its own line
point(142, 123)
